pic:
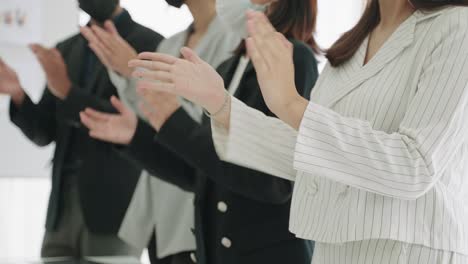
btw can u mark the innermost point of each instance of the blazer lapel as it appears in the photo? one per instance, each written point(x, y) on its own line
point(397, 43)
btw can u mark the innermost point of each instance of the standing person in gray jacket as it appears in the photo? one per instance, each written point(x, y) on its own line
point(159, 207)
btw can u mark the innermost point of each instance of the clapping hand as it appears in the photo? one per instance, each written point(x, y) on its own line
point(272, 56)
point(114, 128)
point(190, 77)
point(55, 70)
point(112, 50)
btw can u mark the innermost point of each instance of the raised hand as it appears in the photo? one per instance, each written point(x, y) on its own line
point(111, 49)
point(55, 70)
point(114, 128)
point(272, 56)
point(10, 84)
point(191, 77)
point(158, 106)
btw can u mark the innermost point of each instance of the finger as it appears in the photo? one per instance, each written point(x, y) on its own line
point(161, 76)
point(2, 64)
point(119, 105)
point(257, 59)
point(259, 26)
point(103, 49)
point(91, 123)
point(100, 116)
point(105, 38)
point(150, 65)
point(110, 27)
point(37, 49)
point(190, 55)
point(100, 54)
point(154, 56)
point(88, 34)
point(100, 135)
point(147, 86)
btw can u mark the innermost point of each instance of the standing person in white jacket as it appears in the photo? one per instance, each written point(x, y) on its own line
point(160, 208)
point(379, 153)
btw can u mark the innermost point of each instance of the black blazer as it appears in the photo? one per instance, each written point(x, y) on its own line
point(248, 208)
point(106, 180)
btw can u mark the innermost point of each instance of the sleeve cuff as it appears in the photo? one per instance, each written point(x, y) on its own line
point(16, 113)
point(246, 145)
point(143, 135)
point(176, 126)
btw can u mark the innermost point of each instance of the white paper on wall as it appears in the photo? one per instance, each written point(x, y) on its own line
point(20, 21)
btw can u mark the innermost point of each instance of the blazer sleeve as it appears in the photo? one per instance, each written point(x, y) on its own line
point(77, 100)
point(157, 160)
point(36, 121)
point(407, 163)
point(193, 142)
point(272, 150)
point(256, 141)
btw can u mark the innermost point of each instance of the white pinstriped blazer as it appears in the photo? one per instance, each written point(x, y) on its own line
point(382, 149)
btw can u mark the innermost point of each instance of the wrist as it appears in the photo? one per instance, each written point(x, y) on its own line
point(67, 90)
point(293, 112)
point(216, 102)
point(18, 96)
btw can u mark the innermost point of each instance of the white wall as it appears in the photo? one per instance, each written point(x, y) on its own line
point(14, 148)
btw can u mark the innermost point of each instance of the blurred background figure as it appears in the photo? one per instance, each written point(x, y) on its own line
point(91, 184)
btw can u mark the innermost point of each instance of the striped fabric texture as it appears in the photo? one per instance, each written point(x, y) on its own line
point(383, 252)
point(382, 150)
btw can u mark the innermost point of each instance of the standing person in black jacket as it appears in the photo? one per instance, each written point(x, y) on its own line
point(241, 214)
point(91, 183)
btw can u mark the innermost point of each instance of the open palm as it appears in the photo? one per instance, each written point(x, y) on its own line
point(114, 128)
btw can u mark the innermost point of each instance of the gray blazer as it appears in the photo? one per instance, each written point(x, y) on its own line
point(153, 197)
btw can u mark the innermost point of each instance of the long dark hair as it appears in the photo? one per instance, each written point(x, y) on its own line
point(295, 19)
point(350, 42)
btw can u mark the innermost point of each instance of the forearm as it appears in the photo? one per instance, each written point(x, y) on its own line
point(196, 148)
point(78, 100)
point(157, 159)
point(36, 121)
point(17, 98)
point(293, 112)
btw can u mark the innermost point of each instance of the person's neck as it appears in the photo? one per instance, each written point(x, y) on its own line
point(394, 12)
point(203, 13)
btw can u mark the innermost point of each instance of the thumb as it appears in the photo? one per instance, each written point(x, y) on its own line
point(121, 108)
point(190, 55)
point(110, 27)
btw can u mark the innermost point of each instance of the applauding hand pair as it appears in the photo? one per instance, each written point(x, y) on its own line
point(164, 76)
